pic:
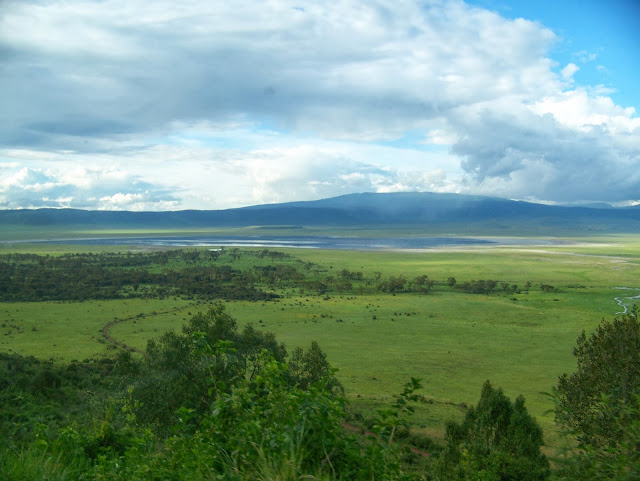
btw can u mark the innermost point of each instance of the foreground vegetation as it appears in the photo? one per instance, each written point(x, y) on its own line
point(452, 319)
point(216, 403)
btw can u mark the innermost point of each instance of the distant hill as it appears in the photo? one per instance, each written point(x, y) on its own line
point(430, 211)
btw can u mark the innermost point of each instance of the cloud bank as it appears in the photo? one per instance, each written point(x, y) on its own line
point(165, 105)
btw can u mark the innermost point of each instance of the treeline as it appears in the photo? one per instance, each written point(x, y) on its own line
point(78, 277)
point(230, 274)
point(213, 402)
point(40, 283)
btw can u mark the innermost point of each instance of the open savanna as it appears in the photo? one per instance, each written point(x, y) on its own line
point(452, 340)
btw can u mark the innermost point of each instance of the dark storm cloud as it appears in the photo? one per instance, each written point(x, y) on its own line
point(535, 156)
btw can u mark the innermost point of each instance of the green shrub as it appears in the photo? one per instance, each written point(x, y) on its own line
point(594, 401)
point(497, 440)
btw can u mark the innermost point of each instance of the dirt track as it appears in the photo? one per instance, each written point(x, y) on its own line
point(107, 336)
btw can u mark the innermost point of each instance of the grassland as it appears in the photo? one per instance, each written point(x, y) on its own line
point(453, 340)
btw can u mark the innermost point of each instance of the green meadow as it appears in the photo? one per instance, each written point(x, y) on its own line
point(521, 340)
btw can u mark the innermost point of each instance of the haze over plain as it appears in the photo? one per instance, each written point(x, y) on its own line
point(131, 105)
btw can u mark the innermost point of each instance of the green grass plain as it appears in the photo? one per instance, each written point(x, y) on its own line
point(452, 340)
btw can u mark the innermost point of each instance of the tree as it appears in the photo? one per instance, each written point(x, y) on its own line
point(497, 440)
point(595, 401)
point(423, 284)
point(343, 285)
point(547, 288)
point(396, 284)
point(607, 463)
point(310, 367)
point(178, 369)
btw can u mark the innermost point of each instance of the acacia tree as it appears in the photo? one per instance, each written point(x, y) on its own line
point(595, 401)
point(423, 284)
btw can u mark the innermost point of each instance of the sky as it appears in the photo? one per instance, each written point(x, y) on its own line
point(200, 104)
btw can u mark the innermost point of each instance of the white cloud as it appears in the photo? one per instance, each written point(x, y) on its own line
point(9, 165)
point(584, 57)
point(346, 69)
point(80, 188)
point(570, 148)
point(441, 137)
point(134, 202)
point(569, 70)
point(131, 104)
point(579, 110)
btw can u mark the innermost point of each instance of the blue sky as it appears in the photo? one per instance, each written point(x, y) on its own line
point(601, 37)
point(134, 105)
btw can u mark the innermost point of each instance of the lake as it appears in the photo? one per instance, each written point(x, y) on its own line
point(306, 242)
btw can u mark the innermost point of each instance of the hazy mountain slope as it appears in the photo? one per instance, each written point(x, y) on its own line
point(410, 209)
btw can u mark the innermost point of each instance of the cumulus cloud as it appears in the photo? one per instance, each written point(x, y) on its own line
point(191, 176)
point(568, 148)
point(217, 104)
point(306, 173)
point(80, 188)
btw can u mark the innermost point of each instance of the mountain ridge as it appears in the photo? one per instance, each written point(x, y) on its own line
point(412, 209)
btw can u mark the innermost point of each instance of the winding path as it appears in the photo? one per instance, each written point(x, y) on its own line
point(107, 336)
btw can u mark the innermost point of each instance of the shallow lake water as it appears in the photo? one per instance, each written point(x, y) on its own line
point(307, 242)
